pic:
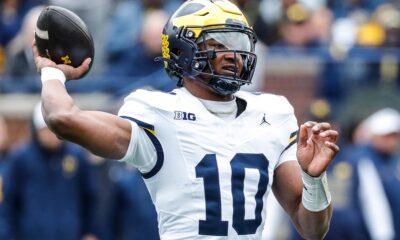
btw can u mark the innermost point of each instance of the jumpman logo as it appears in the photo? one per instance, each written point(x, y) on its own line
point(263, 120)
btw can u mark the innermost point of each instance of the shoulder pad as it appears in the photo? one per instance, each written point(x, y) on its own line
point(156, 99)
point(276, 107)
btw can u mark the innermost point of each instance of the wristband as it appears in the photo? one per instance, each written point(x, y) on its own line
point(316, 196)
point(51, 73)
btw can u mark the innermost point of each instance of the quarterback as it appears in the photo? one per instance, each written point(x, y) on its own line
point(209, 153)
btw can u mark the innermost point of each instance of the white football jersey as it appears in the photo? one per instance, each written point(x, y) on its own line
point(209, 178)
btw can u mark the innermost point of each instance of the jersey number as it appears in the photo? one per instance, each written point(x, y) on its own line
point(208, 170)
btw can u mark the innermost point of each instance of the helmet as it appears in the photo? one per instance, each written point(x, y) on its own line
point(185, 53)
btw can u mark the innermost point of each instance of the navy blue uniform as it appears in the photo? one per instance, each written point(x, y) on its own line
point(4, 226)
point(388, 169)
point(47, 194)
point(135, 214)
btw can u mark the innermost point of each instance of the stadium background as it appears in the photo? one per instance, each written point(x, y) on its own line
point(334, 60)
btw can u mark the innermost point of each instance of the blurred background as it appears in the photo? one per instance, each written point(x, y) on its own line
point(335, 60)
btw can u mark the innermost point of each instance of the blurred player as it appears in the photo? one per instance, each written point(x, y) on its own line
point(209, 153)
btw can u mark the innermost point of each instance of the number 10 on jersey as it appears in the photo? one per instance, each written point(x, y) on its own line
point(208, 170)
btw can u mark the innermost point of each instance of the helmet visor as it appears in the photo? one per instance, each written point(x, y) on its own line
point(237, 41)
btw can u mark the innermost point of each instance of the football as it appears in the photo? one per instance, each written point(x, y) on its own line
point(63, 37)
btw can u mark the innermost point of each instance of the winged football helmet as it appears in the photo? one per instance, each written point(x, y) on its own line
point(198, 21)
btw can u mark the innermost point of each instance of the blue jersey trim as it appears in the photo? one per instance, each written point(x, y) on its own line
point(140, 123)
point(160, 156)
point(292, 140)
point(149, 129)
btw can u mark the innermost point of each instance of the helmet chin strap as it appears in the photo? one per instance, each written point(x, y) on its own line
point(223, 87)
point(217, 85)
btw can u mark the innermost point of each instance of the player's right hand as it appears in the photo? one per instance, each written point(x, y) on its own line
point(70, 72)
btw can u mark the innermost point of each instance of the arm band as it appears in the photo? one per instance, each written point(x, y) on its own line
point(316, 196)
point(51, 73)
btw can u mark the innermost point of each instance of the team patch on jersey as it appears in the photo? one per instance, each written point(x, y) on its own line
point(179, 115)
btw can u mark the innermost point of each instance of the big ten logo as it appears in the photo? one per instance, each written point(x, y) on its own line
point(179, 115)
point(165, 48)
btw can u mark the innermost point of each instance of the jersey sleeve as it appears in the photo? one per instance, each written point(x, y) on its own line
point(141, 152)
point(289, 130)
point(136, 107)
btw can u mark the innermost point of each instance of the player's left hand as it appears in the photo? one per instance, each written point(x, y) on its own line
point(316, 147)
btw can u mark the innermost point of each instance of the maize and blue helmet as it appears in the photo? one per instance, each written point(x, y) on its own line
point(198, 21)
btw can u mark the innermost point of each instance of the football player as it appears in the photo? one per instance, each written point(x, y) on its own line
point(209, 153)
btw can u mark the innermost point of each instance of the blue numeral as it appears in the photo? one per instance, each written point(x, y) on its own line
point(208, 170)
point(213, 225)
point(238, 165)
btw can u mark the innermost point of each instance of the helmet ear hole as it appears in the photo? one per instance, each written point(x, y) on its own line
point(177, 52)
